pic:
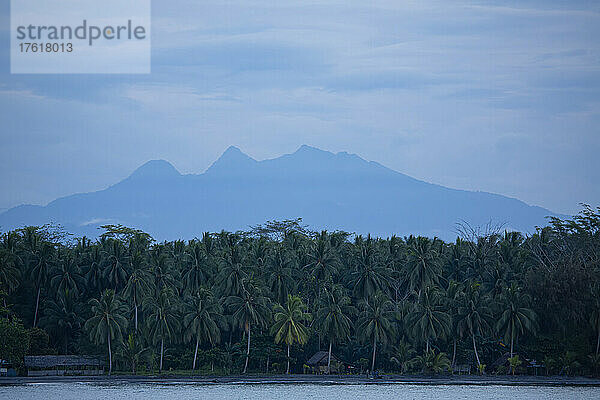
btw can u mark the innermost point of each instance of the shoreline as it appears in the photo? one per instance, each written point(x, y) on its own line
point(312, 379)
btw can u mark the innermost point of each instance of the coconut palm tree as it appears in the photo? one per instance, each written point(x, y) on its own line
point(289, 325)
point(62, 317)
point(423, 267)
point(133, 353)
point(163, 320)
point(108, 321)
point(233, 273)
point(333, 317)
point(452, 299)
point(323, 259)
point(249, 309)
point(403, 356)
point(160, 269)
point(138, 284)
point(41, 265)
point(92, 268)
point(473, 315)
point(370, 273)
point(516, 318)
point(67, 274)
point(116, 261)
point(196, 267)
point(279, 275)
point(428, 318)
point(202, 318)
point(595, 315)
point(10, 262)
point(433, 363)
point(375, 321)
point(322, 263)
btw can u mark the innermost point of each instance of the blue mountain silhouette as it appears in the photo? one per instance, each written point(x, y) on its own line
point(329, 191)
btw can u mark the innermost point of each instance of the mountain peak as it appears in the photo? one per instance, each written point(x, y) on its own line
point(306, 149)
point(232, 159)
point(232, 151)
point(155, 169)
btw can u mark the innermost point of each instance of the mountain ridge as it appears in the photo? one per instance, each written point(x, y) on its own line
point(328, 190)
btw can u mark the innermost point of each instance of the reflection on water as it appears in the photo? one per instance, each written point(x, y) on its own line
point(185, 391)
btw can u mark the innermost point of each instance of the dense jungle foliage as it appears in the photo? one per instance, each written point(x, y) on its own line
point(267, 299)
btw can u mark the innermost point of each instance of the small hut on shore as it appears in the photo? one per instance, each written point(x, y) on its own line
point(317, 364)
point(63, 365)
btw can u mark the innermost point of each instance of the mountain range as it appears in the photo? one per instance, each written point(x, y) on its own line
point(328, 191)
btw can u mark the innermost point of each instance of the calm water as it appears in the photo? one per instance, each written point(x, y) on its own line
point(85, 391)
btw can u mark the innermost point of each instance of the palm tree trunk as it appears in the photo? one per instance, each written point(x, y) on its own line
point(288, 360)
point(475, 349)
point(109, 354)
point(247, 351)
point(162, 349)
point(598, 342)
point(268, 359)
point(454, 353)
point(37, 305)
point(195, 354)
point(329, 359)
point(512, 330)
point(374, 349)
point(136, 316)
point(427, 346)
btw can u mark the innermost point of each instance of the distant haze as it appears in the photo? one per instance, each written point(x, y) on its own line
point(329, 191)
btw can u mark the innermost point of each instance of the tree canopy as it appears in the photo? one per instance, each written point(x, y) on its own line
point(278, 293)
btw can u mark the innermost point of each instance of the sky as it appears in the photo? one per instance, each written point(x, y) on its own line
point(498, 96)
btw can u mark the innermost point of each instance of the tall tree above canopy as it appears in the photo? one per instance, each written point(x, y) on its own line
point(125, 234)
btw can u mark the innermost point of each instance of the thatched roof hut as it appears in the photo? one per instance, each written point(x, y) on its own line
point(320, 358)
point(64, 365)
point(318, 362)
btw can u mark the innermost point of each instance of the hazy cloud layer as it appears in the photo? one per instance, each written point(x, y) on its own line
point(495, 96)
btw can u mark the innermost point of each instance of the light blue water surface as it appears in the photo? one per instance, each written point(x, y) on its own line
point(185, 391)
